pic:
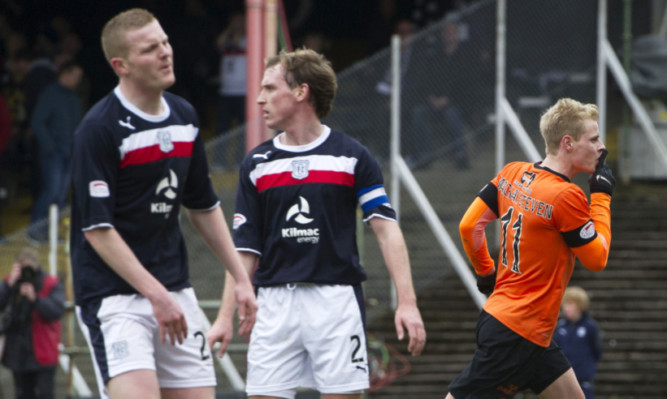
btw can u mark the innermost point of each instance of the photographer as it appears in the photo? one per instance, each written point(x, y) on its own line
point(34, 302)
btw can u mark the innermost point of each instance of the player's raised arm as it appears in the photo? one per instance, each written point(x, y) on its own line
point(594, 255)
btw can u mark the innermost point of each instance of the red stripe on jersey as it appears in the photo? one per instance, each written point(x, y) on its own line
point(153, 153)
point(314, 176)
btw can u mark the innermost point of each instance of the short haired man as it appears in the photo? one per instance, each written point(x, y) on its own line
point(295, 218)
point(138, 156)
point(546, 221)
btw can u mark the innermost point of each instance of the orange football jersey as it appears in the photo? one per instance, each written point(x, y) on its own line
point(542, 217)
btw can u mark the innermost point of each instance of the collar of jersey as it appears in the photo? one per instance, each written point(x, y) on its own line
point(326, 131)
point(538, 165)
point(148, 117)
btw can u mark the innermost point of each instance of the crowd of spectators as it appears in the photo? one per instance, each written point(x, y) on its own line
point(37, 37)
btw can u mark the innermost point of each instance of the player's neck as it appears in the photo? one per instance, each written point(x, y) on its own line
point(149, 101)
point(560, 165)
point(302, 133)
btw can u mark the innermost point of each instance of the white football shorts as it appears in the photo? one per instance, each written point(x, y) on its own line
point(311, 336)
point(123, 335)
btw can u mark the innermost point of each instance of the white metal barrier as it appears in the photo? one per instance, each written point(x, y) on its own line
point(607, 58)
point(400, 173)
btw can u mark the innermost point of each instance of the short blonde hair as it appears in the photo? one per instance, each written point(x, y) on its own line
point(114, 43)
point(578, 296)
point(567, 116)
point(309, 67)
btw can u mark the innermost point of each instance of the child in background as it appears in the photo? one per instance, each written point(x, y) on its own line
point(579, 337)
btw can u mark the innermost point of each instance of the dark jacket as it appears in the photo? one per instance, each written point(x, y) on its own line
point(582, 345)
point(32, 330)
point(55, 118)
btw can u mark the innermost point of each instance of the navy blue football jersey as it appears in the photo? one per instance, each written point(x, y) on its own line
point(296, 208)
point(132, 171)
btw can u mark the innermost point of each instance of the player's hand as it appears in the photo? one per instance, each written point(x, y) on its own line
point(408, 317)
point(486, 284)
point(247, 306)
point(170, 318)
point(221, 331)
point(602, 180)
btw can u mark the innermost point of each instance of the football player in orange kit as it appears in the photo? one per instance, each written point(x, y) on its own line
point(546, 221)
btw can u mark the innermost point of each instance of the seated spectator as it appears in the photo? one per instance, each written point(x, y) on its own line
point(444, 85)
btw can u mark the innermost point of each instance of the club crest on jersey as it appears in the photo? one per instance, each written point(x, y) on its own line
point(164, 140)
point(300, 169)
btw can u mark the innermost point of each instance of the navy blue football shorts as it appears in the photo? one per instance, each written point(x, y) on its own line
point(505, 363)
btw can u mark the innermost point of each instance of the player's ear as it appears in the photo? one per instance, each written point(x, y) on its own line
point(119, 66)
point(302, 91)
point(566, 142)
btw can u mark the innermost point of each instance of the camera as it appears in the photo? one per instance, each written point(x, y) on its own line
point(28, 275)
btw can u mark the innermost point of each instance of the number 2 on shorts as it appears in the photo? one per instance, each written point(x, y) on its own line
point(204, 353)
point(355, 351)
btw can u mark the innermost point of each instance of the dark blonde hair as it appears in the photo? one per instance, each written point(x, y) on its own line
point(578, 296)
point(26, 256)
point(309, 67)
point(114, 43)
point(567, 116)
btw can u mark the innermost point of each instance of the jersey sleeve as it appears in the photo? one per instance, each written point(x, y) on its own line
point(95, 167)
point(471, 228)
point(579, 222)
point(199, 193)
point(247, 223)
point(369, 186)
point(572, 218)
point(594, 254)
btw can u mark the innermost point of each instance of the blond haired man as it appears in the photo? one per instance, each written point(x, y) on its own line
point(546, 221)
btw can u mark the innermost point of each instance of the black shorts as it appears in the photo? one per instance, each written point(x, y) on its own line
point(505, 363)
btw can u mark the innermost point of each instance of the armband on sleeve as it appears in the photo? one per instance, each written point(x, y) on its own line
point(489, 194)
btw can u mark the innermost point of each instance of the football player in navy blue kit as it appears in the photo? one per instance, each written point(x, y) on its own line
point(294, 227)
point(138, 156)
